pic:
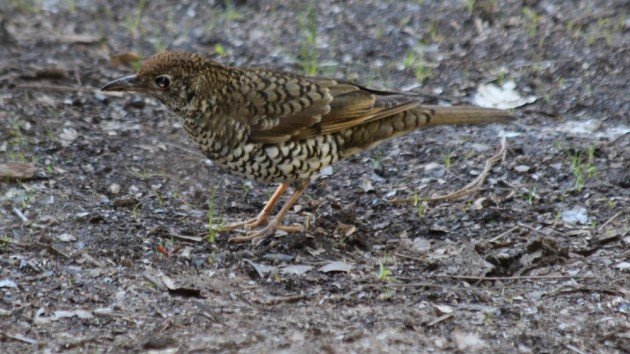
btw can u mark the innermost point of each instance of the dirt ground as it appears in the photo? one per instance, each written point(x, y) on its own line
point(108, 249)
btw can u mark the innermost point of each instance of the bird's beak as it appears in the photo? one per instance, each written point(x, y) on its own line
point(127, 83)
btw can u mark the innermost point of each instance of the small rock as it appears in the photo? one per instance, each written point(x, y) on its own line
point(623, 266)
point(66, 238)
point(444, 309)
point(469, 342)
point(326, 171)
point(100, 97)
point(67, 136)
point(439, 229)
point(7, 283)
point(261, 269)
point(576, 215)
point(298, 269)
point(367, 186)
point(421, 244)
point(114, 188)
point(521, 168)
point(336, 267)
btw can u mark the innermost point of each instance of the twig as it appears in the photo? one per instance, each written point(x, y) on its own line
point(279, 299)
point(584, 290)
point(184, 237)
point(532, 229)
point(20, 338)
point(92, 261)
point(440, 319)
point(472, 277)
point(475, 185)
point(569, 346)
point(419, 285)
point(409, 257)
point(20, 214)
point(12, 242)
point(53, 249)
point(503, 234)
point(601, 228)
point(357, 290)
point(536, 230)
point(470, 188)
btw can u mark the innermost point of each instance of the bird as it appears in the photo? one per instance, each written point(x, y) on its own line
point(279, 127)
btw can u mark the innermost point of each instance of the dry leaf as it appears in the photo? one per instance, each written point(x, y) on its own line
point(445, 309)
point(298, 269)
point(336, 267)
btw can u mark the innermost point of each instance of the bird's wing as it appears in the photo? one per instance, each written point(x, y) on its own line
point(279, 107)
point(353, 105)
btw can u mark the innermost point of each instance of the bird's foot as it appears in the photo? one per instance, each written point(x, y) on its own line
point(260, 220)
point(256, 237)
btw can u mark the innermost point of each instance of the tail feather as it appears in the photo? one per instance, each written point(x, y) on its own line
point(465, 115)
point(373, 133)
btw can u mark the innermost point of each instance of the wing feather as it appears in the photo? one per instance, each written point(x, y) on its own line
point(279, 107)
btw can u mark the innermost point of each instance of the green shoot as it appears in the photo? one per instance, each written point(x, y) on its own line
point(384, 274)
point(414, 59)
point(231, 13)
point(583, 170)
point(447, 160)
point(4, 242)
point(214, 221)
point(530, 197)
point(219, 50)
point(420, 203)
point(132, 23)
point(532, 19)
point(307, 26)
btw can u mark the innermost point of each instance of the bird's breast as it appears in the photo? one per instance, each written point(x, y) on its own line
point(274, 163)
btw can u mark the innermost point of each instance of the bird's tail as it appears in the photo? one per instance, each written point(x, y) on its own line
point(440, 115)
point(373, 133)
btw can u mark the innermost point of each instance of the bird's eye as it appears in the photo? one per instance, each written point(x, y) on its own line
point(162, 81)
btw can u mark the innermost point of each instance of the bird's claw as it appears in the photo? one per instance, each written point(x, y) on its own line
point(258, 236)
point(248, 224)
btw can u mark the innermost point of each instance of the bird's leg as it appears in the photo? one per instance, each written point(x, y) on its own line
point(275, 224)
point(263, 217)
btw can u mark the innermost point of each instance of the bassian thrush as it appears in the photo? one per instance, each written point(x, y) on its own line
point(278, 127)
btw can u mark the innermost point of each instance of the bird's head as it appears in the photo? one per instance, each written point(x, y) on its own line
point(169, 76)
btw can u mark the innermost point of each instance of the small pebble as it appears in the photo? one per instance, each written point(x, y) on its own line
point(114, 188)
point(66, 238)
point(577, 215)
point(521, 168)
